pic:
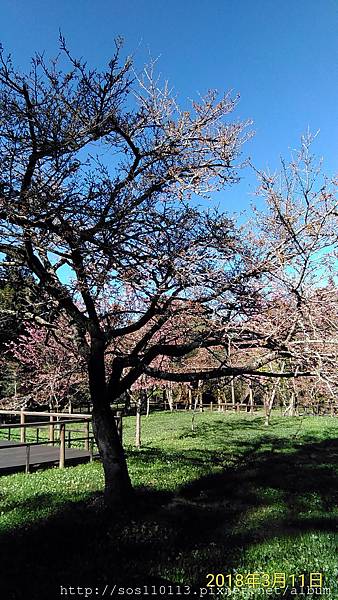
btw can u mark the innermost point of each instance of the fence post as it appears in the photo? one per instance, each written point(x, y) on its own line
point(86, 432)
point(27, 458)
point(51, 429)
point(22, 429)
point(251, 399)
point(62, 445)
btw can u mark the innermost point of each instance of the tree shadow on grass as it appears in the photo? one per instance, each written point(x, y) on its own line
point(175, 538)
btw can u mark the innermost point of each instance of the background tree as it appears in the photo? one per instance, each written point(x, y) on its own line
point(19, 301)
point(53, 370)
point(18, 298)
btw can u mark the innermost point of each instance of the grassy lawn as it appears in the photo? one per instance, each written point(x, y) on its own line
point(232, 497)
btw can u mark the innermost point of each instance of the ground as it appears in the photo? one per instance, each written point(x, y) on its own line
point(231, 497)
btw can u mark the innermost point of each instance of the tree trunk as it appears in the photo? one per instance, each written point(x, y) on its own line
point(118, 488)
point(269, 402)
point(170, 398)
point(219, 400)
point(189, 398)
point(251, 399)
point(138, 422)
point(148, 402)
point(267, 415)
point(233, 394)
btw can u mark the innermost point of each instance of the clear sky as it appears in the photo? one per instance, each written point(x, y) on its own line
point(279, 55)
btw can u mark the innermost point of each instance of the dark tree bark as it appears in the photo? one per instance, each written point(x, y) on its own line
point(118, 488)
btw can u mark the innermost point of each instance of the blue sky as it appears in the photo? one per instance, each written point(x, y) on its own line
point(279, 55)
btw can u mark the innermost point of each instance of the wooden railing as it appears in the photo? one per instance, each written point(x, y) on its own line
point(218, 406)
point(238, 406)
point(57, 422)
point(88, 438)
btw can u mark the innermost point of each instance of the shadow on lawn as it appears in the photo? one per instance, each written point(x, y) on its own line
point(201, 529)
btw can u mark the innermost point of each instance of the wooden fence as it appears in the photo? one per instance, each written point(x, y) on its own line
point(56, 423)
point(218, 406)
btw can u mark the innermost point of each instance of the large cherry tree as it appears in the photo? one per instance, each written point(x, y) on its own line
point(98, 195)
point(102, 175)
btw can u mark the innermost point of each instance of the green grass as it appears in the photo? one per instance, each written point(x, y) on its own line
point(231, 497)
